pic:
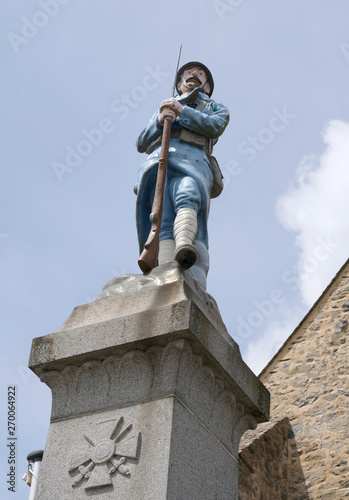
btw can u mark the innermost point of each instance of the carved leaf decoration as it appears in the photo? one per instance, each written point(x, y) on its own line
point(79, 457)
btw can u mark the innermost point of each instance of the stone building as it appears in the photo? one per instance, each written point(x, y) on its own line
point(150, 397)
point(303, 451)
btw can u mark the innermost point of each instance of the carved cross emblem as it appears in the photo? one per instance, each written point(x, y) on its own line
point(104, 458)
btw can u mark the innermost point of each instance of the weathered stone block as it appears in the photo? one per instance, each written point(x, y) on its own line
point(150, 395)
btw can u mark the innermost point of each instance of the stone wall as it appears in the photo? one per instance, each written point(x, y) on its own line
point(263, 462)
point(309, 383)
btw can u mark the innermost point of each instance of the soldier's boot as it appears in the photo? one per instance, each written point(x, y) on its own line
point(184, 232)
point(166, 251)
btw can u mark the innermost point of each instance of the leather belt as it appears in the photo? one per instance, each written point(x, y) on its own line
point(188, 137)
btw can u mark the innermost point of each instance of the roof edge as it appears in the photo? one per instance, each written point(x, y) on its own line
point(334, 279)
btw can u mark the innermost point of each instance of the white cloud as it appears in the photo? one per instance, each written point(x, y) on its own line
point(316, 207)
point(260, 351)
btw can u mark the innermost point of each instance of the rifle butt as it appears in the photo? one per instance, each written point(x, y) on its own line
point(149, 256)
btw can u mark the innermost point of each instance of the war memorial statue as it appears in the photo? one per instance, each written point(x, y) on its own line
point(180, 136)
point(150, 395)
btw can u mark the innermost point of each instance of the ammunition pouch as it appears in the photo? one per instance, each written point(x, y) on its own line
point(195, 139)
point(217, 186)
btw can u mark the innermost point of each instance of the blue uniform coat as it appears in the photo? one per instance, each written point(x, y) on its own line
point(183, 160)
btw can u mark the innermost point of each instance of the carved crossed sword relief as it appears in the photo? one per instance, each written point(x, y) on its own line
point(107, 456)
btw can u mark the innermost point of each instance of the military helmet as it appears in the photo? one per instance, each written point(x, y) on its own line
point(200, 65)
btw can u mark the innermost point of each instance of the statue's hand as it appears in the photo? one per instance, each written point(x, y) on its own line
point(166, 113)
point(170, 108)
point(172, 104)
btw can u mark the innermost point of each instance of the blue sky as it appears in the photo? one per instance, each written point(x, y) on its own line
point(79, 82)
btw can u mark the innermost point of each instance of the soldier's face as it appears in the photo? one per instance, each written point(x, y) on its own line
point(193, 77)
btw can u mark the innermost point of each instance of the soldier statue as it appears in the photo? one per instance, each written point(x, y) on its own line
point(193, 175)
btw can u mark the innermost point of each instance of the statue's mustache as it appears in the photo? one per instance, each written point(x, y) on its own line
point(193, 79)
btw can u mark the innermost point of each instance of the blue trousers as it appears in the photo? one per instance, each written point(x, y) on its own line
point(180, 192)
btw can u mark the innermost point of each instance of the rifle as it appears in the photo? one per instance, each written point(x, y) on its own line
point(149, 256)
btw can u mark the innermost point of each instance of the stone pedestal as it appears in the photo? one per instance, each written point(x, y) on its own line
point(150, 395)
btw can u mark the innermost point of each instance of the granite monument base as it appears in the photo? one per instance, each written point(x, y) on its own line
point(150, 395)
